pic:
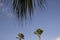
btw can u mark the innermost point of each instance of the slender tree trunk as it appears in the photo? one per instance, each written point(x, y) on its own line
point(38, 37)
point(20, 39)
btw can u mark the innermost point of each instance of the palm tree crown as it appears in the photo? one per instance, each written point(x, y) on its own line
point(38, 31)
point(20, 36)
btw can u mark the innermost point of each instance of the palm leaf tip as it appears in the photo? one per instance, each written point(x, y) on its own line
point(35, 32)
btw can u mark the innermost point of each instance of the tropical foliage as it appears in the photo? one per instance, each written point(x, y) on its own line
point(20, 36)
point(22, 7)
point(25, 8)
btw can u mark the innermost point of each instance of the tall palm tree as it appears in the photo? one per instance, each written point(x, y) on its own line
point(38, 32)
point(22, 7)
point(20, 36)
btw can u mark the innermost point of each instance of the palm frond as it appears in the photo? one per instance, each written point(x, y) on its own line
point(22, 6)
point(35, 33)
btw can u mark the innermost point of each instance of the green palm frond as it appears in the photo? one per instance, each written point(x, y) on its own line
point(35, 33)
point(22, 6)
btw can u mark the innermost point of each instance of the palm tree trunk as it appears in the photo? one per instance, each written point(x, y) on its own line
point(38, 37)
point(20, 39)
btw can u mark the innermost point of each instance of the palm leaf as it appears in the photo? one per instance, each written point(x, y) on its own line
point(35, 33)
point(22, 6)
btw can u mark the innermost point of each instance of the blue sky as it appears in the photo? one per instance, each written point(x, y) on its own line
point(48, 20)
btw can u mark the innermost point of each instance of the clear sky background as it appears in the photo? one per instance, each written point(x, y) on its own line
point(48, 20)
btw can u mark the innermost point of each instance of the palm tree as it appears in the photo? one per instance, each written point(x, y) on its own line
point(20, 36)
point(22, 7)
point(38, 32)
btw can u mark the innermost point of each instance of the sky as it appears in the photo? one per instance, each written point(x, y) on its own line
point(47, 19)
